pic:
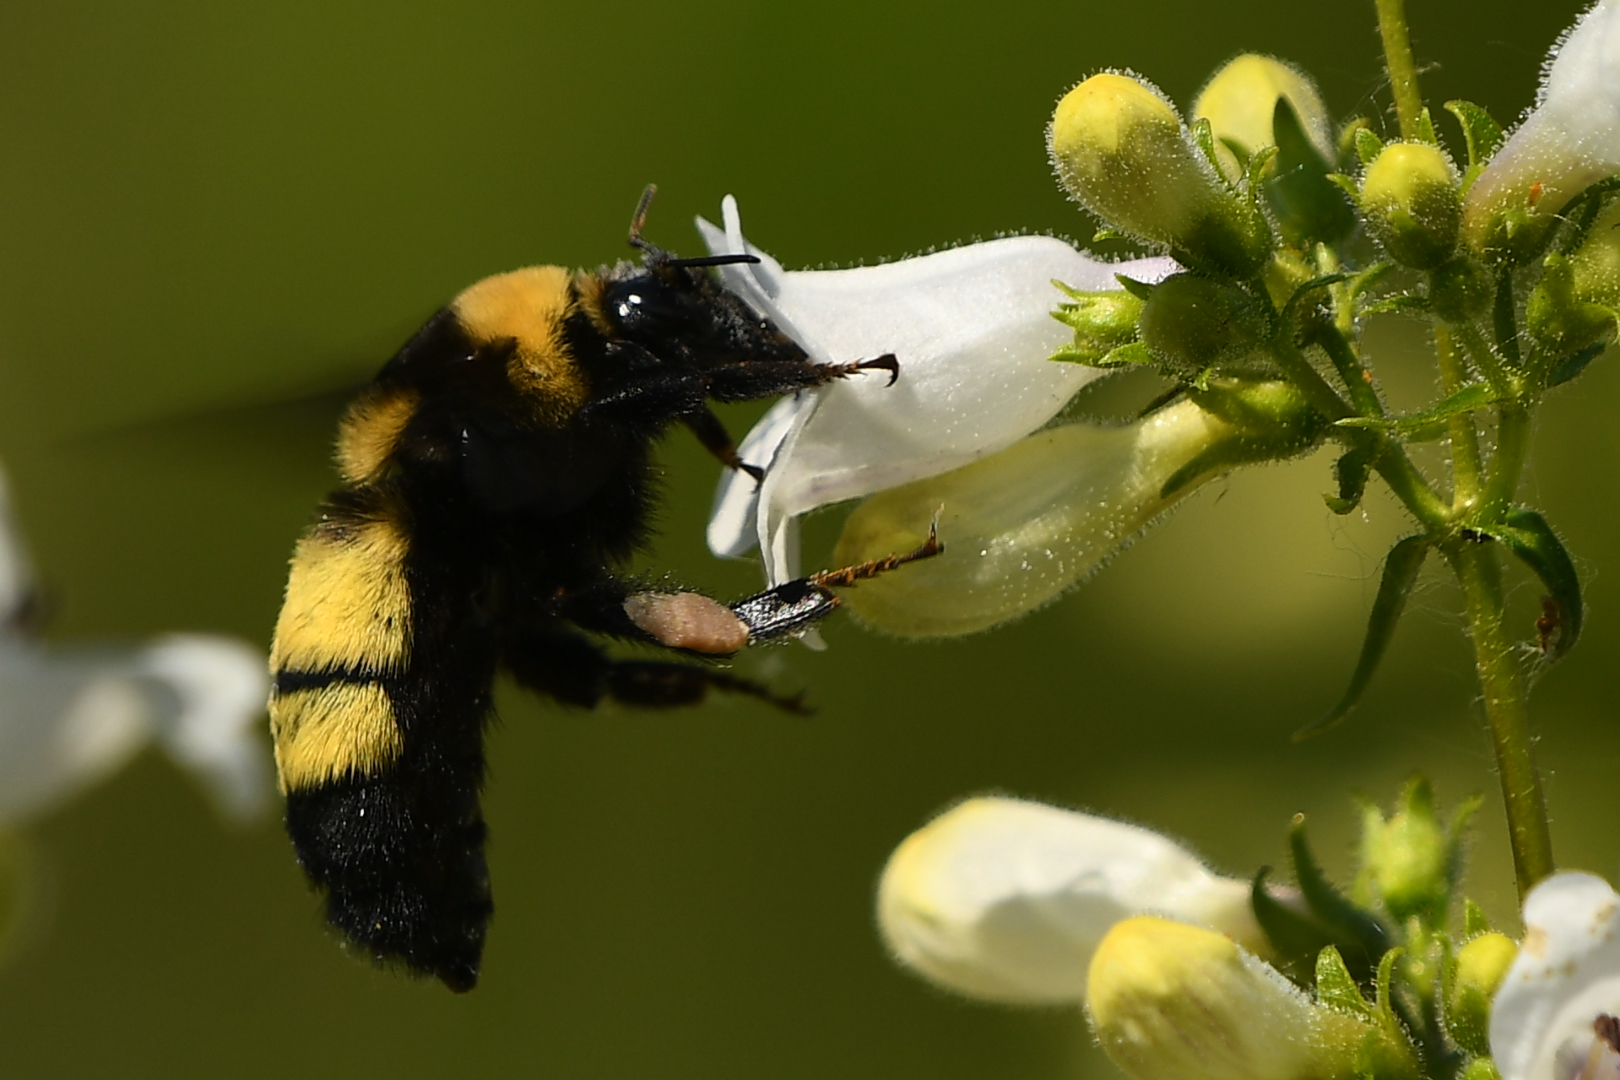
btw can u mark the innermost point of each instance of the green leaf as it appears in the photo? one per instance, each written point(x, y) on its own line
point(1142, 290)
point(1401, 568)
point(1482, 135)
point(1358, 935)
point(1425, 128)
point(1335, 987)
point(1107, 233)
point(1471, 398)
point(1368, 145)
point(1386, 972)
point(1122, 356)
point(1527, 534)
point(1474, 921)
point(1255, 171)
point(1204, 136)
point(1304, 200)
point(1351, 470)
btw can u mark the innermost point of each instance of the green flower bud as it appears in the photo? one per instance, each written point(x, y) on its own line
point(1410, 197)
point(1195, 325)
point(1556, 314)
point(1102, 322)
point(1596, 262)
point(1169, 1001)
point(1241, 98)
point(1122, 152)
point(1460, 290)
point(1482, 964)
point(1408, 860)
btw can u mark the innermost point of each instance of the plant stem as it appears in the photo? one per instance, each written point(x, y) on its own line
point(1480, 574)
point(1400, 65)
point(1507, 463)
point(1465, 458)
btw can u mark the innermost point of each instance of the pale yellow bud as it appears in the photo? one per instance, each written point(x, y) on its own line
point(1241, 98)
point(1410, 197)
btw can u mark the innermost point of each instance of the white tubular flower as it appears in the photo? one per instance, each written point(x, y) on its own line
point(1554, 1016)
point(1570, 141)
point(69, 717)
point(972, 329)
point(1007, 900)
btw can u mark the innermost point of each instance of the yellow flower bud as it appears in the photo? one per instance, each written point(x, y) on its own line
point(1410, 197)
point(1241, 98)
point(1122, 152)
point(1482, 964)
point(1169, 1001)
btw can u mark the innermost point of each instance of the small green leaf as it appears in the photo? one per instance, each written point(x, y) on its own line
point(1474, 921)
point(1351, 471)
point(1368, 145)
point(1471, 398)
point(1142, 290)
point(1204, 136)
point(1527, 534)
point(1335, 987)
point(1107, 233)
point(1306, 206)
point(1482, 135)
point(1568, 367)
point(1296, 939)
point(1401, 568)
point(1425, 128)
point(1400, 302)
point(1122, 356)
point(1386, 972)
point(1357, 934)
point(1255, 171)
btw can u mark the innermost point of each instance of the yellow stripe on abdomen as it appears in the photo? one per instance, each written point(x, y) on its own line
point(348, 605)
point(326, 733)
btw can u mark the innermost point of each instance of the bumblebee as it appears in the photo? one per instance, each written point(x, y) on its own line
point(495, 474)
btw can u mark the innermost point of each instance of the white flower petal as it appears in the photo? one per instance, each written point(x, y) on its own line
point(973, 331)
point(1006, 899)
point(733, 528)
point(1566, 974)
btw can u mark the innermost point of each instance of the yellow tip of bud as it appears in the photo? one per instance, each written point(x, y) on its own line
point(1240, 99)
point(1411, 198)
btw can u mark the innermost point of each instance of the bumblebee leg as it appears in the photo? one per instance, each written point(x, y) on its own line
point(796, 605)
point(576, 672)
point(717, 441)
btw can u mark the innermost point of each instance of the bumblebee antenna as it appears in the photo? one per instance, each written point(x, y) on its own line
point(729, 259)
point(638, 220)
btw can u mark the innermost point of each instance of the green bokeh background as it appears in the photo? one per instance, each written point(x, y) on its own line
point(207, 204)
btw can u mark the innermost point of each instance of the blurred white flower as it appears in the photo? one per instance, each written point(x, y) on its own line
point(1554, 1016)
point(1570, 141)
point(1007, 900)
point(972, 329)
point(71, 716)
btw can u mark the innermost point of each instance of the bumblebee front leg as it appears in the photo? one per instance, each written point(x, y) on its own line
point(796, 605)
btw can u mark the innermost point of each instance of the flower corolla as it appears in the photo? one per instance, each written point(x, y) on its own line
point(972, 329)
point(1554, 1017)
point(69, 717)
point(1570, 140)
point(1007, 900)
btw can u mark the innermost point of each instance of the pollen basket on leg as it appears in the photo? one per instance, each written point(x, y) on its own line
point(324, 734)
point(348, 605)
point(527, 308)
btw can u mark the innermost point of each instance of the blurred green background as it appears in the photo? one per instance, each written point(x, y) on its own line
point(207, 205)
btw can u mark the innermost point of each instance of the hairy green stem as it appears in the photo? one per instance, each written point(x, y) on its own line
point(1480, 574)
point(1507, 463)
point(1466, 464)
point(1485, 359)
point(1400, 65)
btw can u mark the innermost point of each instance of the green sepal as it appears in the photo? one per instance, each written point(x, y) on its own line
point(1470, 398)
point(1368, 145)
point(1204, 138)
point(1299, 192)
point(1527, 534)
point(1122, 356)
point(1474, 921)
point(1400, 302)
point(1335, 987)
point(1481, 1068)
point(1344, 144)
point(1254, 172)
point(1359, 936)
point(1299, 294)
point(1142, 290)
point(1386, 974)
point(1568, 367)
point(1109, 233)
point(1481, 134)
point(1351, 471)
point(1345, 183)
point(1425, 128)
point(1296, 939)
point(1401, 568)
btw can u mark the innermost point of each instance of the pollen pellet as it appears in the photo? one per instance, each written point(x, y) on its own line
point(688, 621)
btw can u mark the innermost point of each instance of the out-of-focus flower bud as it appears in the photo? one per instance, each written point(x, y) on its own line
point(1170, 1001)
point(1410, 857)
point(1024, 525)
point(1558, 317)
point(1006, 900)
point(1195, 325)
point(1460, 289)
point(1482, 964)
point(1241, 98)
point(1568, 143)
point(1122, 152)
point(1409, 195)
point(1596, 263)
